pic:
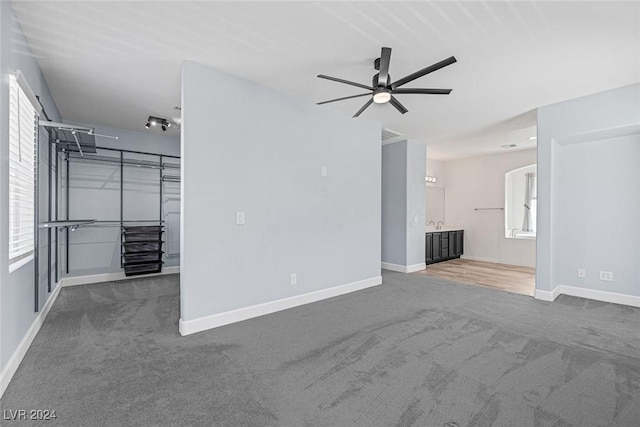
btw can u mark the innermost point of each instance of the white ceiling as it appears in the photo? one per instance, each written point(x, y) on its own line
point(115, 63)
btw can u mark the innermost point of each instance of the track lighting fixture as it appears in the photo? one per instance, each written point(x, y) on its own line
point(154, 121)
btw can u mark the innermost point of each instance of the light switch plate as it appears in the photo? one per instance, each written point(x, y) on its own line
point(240, 218)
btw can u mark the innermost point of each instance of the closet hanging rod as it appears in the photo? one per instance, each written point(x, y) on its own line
point(127, 162)
point(107, 159)
point(102, 224)
point(70, 223)
point(488, 209)
point(128, 220)
point(137, 152)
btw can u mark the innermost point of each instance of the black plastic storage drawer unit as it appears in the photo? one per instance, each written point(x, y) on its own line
point(142, 249)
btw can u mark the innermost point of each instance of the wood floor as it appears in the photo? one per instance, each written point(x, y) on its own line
point(510, 278)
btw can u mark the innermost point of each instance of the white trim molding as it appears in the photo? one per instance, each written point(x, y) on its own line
point(403, 268)
point(200, 324)
point(546, 295)
point(16, 358)
point(593, 294)
point(477, 258)
point(111, 277)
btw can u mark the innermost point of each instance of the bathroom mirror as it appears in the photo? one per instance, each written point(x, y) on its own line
point(520, 196)
point(435, 204)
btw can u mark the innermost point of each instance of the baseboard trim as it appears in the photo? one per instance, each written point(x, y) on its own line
point(403, 268)
point(478, 258)
point(593, 294)
point(110, 277)
point(546, 295)
point(17, 356)
point(494, 261)
point(188, 327)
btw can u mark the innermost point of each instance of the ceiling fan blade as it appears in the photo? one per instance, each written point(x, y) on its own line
point(393, 101)
point(346, 97)
point(424, 71)
point(347, 82)
point(385, 58)
point(364, 107)
point(422, 91)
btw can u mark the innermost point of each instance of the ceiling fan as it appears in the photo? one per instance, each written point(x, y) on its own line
point(382, 90)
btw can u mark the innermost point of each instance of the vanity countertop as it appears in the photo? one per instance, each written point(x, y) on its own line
point(432, 229)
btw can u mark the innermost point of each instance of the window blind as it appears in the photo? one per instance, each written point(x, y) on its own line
point(23, 133)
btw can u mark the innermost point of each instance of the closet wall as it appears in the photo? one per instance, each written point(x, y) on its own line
point(94, 193)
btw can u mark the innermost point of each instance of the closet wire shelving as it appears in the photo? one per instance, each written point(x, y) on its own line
point(132, 263)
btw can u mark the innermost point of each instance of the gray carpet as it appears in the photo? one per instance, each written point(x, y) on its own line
point(414, 351)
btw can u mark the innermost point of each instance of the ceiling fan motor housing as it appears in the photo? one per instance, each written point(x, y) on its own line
point(376, 81)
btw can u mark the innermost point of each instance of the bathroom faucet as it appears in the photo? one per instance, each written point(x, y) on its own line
point(431, 222)
point(439, 226)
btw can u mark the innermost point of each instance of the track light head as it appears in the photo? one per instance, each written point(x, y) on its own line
point(158, 121)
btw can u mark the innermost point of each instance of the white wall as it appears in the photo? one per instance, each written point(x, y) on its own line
point(479, 182)
point(394, 203)
point(403, 205)
point(589, 195)
point(597, 211)
point(436, 168)
point(416, 171)
point(247, 148)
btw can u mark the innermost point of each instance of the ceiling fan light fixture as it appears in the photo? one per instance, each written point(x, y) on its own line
point(382, 96)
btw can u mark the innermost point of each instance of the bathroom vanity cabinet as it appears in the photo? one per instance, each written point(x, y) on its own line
point(443, 245)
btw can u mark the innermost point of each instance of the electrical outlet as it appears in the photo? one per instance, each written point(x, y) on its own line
point(294, 279)
point(240, 218)
point(323, 171)
point(607, 276)
point(582, 273)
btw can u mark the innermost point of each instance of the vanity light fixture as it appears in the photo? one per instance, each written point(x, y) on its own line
point(430, 179)
point(155, 121)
